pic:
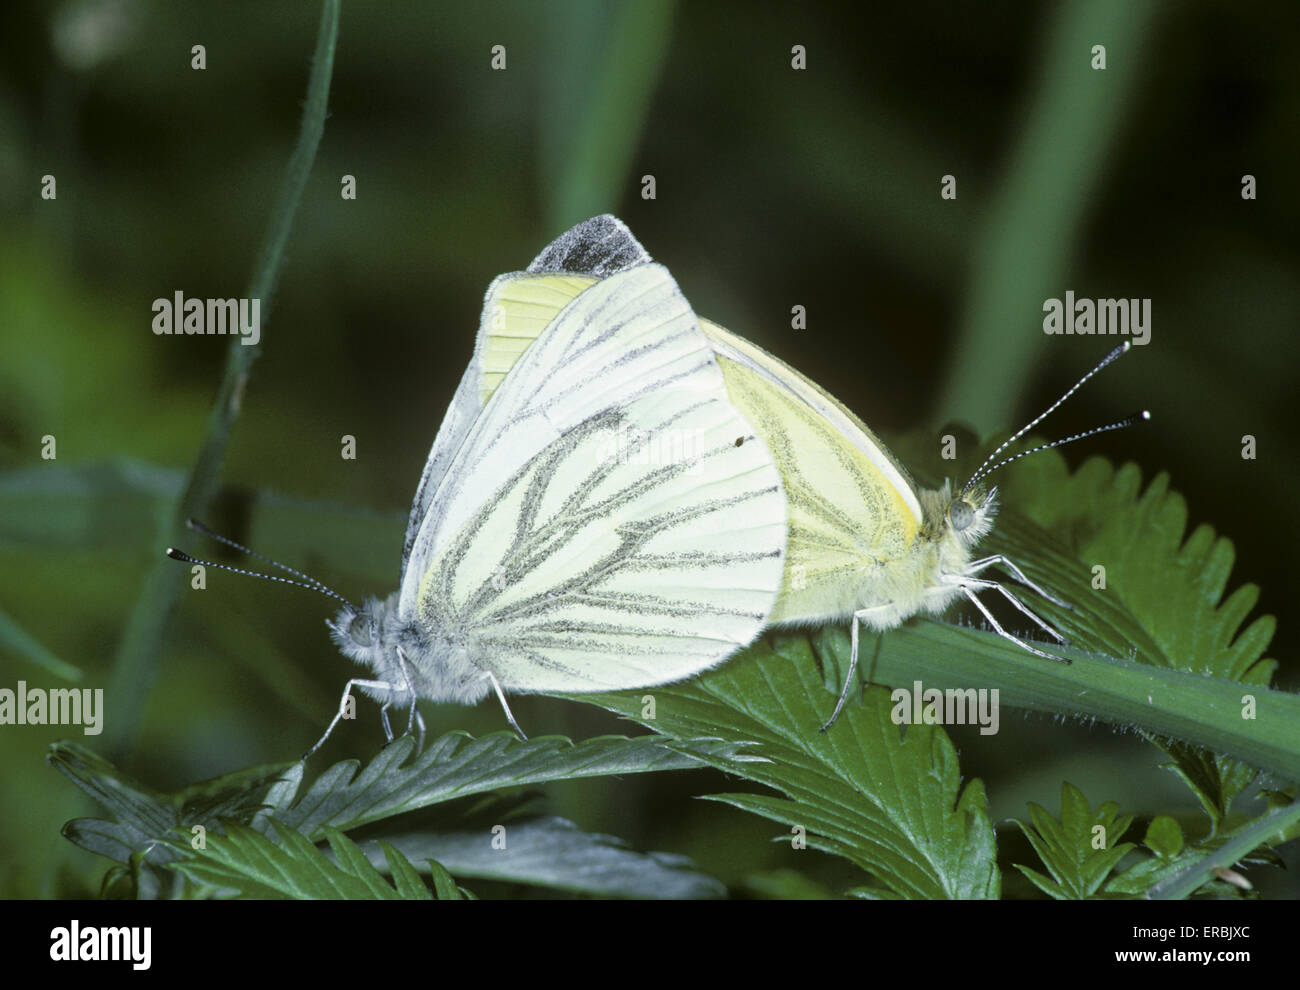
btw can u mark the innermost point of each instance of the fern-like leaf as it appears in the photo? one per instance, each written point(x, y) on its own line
point(248, 862)
point(1080, 850)
point(889, 801)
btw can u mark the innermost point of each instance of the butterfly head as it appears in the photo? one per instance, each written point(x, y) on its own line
point(405, 654)
point(969, 515)
point(371, 635)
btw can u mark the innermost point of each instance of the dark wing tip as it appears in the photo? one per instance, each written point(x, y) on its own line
point(601, 246)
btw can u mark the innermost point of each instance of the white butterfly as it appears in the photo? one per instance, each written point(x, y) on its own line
point(548, 550)
point(865, 543)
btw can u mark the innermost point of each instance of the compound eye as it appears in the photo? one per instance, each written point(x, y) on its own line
point(359, 630)
point(961, 514)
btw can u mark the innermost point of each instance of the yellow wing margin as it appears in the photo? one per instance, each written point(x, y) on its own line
point(516, 310)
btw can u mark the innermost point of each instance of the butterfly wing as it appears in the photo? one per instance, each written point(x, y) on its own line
point(601, 246)
point(852, 506)
point(596, 248)
point(599, 526)
point(464, 409)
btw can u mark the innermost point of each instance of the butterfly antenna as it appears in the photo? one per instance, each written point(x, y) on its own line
point(1137, 417)
point(310, 583)
point(198, 527)
point(985, 470)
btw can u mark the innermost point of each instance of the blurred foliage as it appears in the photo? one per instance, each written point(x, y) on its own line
point(775, 187)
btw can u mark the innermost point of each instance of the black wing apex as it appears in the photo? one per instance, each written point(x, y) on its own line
point(601, 246)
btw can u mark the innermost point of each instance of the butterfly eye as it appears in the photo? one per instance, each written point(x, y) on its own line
point(961, 514)
point(360, 631)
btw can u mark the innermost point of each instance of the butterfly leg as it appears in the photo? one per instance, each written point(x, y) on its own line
point(406, 676)
point(976, 566)
point(997, 626)
point(858, 616)
point(1006, 593)
point(347, 690)
point(502, 698)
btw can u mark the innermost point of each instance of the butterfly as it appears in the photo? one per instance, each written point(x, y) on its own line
point(603, 519)
point(865, 542)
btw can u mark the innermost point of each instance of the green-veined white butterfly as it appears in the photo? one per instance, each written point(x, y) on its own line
point(865, 542)
point(551, 545)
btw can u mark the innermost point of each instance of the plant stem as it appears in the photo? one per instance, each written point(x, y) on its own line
point(136, 665)
point(1186, 882)
point(1203, 711)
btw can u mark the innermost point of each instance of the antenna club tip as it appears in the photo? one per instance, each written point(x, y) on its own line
point(173, 553)
point(1146, 413)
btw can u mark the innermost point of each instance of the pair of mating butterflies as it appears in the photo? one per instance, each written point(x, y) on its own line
point(622, 495)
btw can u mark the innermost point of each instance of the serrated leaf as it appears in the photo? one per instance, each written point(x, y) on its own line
point(890, 803)
point(248, 862)
point(144, 816)
point(405, 877)
point(454, 766)
point(1171, 583)
point(457, 764)
point(1191, 871)
point(555, 853)
point(1068, 847)
point(444, 887)
point(1214, 779)
point(1162, 605)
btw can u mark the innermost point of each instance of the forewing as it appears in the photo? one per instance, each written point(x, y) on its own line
point(601, 527)
point(464, 409)
point(514, 313)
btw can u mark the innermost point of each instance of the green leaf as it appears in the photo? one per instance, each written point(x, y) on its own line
point(1214, 779)
point(407, 880)
point(1252, 842)
point(555, 853)
point(890, 802)
point(444, 887)
point(248, 862)
point(453, 766)
point(457, 764)
point(109, 505)
point(143, 817)
point(1069, 847)
point(1195, 867)
point(1156, 691)
point(1164, 837)
point(1170, 583)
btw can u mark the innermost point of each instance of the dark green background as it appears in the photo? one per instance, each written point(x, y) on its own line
point(775, 188)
